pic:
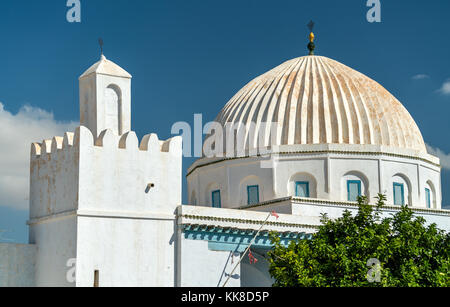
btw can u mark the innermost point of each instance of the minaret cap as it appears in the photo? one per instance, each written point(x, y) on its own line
point(106, 67)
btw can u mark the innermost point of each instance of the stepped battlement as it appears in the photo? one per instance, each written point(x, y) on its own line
point(107, 139)
point(105, 173)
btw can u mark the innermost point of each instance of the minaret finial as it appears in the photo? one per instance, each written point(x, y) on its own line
point(311, 45)
point(100, 42)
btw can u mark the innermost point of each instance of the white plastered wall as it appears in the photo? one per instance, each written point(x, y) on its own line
point(200, 267)
point(128, 197)
point(81, 194)
point(53, 202)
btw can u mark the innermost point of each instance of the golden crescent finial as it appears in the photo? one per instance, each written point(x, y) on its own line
point(311, 45)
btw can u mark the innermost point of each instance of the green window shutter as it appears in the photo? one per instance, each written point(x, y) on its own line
point(216, 201)
point(302, 189)
point(399, 194)
point(253, 194)
point(353, 189)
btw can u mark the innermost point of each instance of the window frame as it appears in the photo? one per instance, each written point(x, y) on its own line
point(212, 199)
point(359, 183)
point(306, 183)
point(248, 194)
point(402, 186)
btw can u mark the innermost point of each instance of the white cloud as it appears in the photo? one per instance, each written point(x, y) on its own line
point(420, 77)
point(17, 132)
point(445, 158)
point(445, 89)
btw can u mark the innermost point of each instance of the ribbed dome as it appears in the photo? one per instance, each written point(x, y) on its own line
point(316, 100)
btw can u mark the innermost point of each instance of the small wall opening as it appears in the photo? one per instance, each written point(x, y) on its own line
point(96, 279)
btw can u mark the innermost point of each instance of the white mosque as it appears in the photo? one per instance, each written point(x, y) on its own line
point(106, 208)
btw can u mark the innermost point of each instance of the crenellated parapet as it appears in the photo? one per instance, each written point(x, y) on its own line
point(107, 139)
point(109, 172)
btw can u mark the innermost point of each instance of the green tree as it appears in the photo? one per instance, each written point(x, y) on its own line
point(409, 253)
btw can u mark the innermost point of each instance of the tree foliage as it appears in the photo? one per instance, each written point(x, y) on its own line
point(410, 254)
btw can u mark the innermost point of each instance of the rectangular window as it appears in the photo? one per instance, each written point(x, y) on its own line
point(428, 198)
point(253, 194)
point(399, 194)
point(216, 201)
point(302, 189)
point(353, 189)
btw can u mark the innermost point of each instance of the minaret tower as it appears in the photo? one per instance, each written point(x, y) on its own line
point(105, 98)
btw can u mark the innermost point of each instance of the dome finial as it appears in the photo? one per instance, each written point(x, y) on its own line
point(311, 45)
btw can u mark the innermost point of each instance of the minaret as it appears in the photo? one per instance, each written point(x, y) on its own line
point(105, 98)
point(102, 198)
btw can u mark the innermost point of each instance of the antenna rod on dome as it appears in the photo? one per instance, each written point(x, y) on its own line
point(311, 45)
point(100, 42)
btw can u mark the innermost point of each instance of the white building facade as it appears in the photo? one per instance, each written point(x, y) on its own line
point(106, 208)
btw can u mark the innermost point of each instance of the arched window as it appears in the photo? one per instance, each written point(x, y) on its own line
point(213, 195)
point(302, 189)
point(251, 190)
point(252, 194)
point(216, 200)
point(302, 185)
point(113, 114)
point(353, 190)
point(401, 195)
point(354, 184)
point(430, 195)
point(428, 198)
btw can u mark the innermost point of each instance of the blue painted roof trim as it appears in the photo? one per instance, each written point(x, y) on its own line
point(237, 240)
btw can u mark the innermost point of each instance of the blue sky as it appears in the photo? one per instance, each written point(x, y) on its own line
point(191, 57)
